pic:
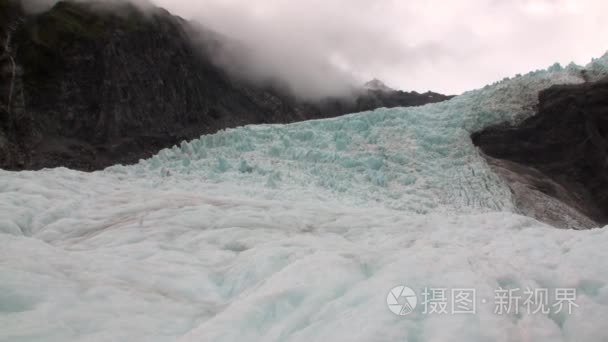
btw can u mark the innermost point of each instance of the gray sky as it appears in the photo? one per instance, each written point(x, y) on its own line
point(440, 45)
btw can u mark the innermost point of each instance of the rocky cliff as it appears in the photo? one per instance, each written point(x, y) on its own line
point(556, 162)
point(86, 87)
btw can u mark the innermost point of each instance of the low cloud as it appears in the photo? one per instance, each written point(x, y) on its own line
point(321, 47)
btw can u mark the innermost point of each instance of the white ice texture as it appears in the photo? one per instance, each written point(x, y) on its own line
point(297, 233)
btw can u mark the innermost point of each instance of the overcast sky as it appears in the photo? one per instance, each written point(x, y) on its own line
point(320, 46)
point(445, 46)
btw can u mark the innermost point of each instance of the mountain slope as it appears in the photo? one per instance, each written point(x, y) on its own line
point(90, 86)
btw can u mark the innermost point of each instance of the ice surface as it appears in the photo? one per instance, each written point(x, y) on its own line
point(296, 233)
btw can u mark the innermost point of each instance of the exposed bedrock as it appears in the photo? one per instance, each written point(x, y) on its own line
point(556, 162)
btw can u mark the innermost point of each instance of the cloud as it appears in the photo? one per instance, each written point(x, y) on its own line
point(38, 6)
point(440, 45)
point(321, 47)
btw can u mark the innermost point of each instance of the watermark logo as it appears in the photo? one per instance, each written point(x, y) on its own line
point(401, 300)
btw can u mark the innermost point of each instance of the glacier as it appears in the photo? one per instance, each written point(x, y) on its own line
point(297, 233)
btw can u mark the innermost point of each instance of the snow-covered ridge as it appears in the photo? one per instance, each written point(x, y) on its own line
point(296, 233)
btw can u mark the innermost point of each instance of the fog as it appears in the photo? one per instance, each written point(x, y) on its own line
point(326, 47)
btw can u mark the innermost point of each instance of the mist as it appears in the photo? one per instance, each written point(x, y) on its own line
point(37, 6)
point(327, 48)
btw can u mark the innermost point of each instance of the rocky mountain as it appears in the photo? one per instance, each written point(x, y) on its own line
point(376, 84)
point(85, 87)
point(556, 162)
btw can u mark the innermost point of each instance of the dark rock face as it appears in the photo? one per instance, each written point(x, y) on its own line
point(87, 88)
point(559, 156)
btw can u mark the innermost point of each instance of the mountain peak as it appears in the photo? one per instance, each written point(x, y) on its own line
point(376, 84)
